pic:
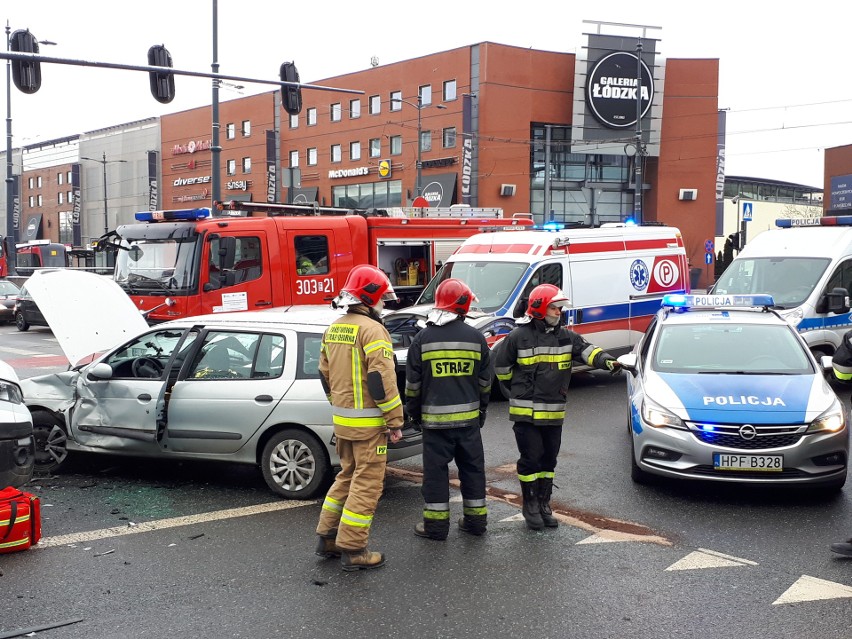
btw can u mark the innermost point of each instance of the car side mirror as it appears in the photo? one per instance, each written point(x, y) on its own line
point(837, 301)
point(100, 371)
point(827, 362)
point(628, 362)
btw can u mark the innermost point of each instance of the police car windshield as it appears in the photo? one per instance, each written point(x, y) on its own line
point(789, 280)
point(751, 349)
point(491, 282)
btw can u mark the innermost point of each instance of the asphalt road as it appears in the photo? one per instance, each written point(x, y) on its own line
point(154, 549)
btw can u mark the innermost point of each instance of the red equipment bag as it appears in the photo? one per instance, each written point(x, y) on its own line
point(20, 520)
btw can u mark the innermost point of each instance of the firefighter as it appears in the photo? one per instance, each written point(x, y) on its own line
point(447, 387)
point(535, 361)
point(304, 266)
point(358, 376)
point(841, 362)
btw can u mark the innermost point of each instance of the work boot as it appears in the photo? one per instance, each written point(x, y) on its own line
point(363, 559)
point(421, 531)
point(545, 488)
point(472, 527)
point(843, 548)
point(531, 510)
point(326, 546)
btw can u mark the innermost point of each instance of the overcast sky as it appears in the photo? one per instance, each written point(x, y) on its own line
point(782, 73)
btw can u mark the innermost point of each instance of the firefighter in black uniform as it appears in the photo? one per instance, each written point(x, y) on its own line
point(447, 387)
point(842, 365)
point(535, 361)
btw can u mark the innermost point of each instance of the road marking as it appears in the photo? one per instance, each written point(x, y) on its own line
point(703, 558)
point(812, 589)
point(615, 536)
point(174, 522)
point(18, 351)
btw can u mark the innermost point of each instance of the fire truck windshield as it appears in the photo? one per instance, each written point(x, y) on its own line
point(491, 282)
point(154, 266)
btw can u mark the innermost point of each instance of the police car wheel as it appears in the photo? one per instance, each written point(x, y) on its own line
point(51, 442)
point(638, 475)
point(295, 465)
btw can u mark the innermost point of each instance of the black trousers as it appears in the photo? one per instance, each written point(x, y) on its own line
point(538, 446)
point(440, 447)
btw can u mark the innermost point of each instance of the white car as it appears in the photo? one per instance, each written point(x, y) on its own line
point(16, 432)
point(236, 387)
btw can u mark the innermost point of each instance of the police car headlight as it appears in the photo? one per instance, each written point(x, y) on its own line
point(655, 415)
point(793, 317)
point(831, 421)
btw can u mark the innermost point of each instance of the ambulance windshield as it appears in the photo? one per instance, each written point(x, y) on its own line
point(491, 282)
point(789, 280)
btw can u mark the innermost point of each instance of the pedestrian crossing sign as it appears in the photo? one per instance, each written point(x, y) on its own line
point(748, 209)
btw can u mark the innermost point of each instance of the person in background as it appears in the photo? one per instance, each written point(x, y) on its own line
point(535, 361)
point(358, 375)
point(841, 363)
point(447, 388)
point(304, 266)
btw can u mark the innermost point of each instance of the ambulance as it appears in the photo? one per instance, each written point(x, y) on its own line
point(806, 266)
point(615, 276)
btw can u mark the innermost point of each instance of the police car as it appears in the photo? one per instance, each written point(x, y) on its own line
point(721, 388)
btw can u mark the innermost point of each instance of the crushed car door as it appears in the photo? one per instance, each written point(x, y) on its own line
point(234, 381)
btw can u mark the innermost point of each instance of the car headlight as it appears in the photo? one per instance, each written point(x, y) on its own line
point(655, 415)
point(10, 392)
point(793, 317)
point(831, 421)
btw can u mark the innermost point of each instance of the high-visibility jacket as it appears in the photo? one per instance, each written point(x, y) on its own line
point(842, 359)
point(536, 364)
point(448, 376)
point(359, 377)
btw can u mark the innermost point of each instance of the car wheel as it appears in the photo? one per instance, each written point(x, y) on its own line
point(51, 442)
point(638, 475)
point(295, 465)
point(21, 323)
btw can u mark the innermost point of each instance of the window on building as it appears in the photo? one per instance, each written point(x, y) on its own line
point(354, 150)
point(69, 177)
point(294, 159)
point(66, 227)
point(425, 94)
point(231, 167)
point(246, 128)
point(449, 90)
point(336, 153)
point(336, 112)
point(30, 182)
point(70, 196)
point(449, 137)
point(375, 105)
point(60, 178)
point(369, 195)
point(246, 165)
point(230, 131)
point(396, 100)
point(354, 109)
point(38, 181)
point(60, 198)
point(294, 121)
point(396, 145)
point(312, 156)
point(375, 147)
point(32, 201)
point(312, 116)
point(40, 201)
point(425, 140)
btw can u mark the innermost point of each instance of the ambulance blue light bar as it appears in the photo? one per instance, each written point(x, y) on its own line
point(173, 216)
point(840, 220)
point(681, 302)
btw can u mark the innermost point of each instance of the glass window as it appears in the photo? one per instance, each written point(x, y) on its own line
point(449, 90)
point(375, 147)
point(230, 131)
point(354, 109)
point(395, 100)
point(66, 227)
point(491, 282)
point(69, 177)
point(309, 356)
point(246, 128)
point(60, 177)
point(425, 140)
point(312, 156)
point(147, 355)
point(354, 150)
point(294, 121)
point(60, 198)
point(238, 355)
point(336, 153)
point(246, 165)
point(396, 145)
point(70, 196)
point(312, 116)
point(294, 159)
point(32, 201)
point(311, 254)
point(336, 112)
point(40, 201)
point(231, 167)
point(31, 182)
point(38, 181)
point(375, 105)
point(425, 94)
point(248, 263)
point(449, 137)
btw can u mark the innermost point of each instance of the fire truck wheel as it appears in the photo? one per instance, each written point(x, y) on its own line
point(51, 441)
point(295, 465)
point(21, 323)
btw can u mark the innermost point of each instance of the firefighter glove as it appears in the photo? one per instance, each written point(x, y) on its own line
point(613, 366)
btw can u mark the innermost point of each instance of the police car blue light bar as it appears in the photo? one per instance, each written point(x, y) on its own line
point(840, 220)
point(679, 301)
point(173, 216)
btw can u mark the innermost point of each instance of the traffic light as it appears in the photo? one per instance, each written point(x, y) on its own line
point(736, 240)
point(162, 84)
point(26, 74)
point(291, 96)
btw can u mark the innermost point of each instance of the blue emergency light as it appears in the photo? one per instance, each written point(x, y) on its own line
point(553, 226)
point(840, 220)
point(681, 302)
point(173, 216)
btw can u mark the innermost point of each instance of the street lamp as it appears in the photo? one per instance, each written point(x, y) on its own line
point(419, 106)
point(104, 162)
point(11, 231)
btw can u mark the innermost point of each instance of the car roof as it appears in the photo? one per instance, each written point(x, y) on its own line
point(719, 315)
point(310, 320)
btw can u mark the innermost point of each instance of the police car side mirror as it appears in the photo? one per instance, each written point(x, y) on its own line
point(836, 301)
point(826, 361)
point(628, 362)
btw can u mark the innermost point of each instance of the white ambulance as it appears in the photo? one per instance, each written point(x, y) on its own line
point(806, 266)
point(615, 277)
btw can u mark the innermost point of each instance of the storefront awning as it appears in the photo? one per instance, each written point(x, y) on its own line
point(440, 189)
point(306, 195)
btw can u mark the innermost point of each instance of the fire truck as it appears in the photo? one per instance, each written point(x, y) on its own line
point(246, 256)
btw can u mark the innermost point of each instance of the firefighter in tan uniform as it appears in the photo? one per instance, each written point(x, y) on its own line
point(357, 372)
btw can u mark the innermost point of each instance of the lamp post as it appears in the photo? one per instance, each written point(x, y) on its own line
point(215, 148)
point(104, 163)
point(419, 106)
point(637, 165)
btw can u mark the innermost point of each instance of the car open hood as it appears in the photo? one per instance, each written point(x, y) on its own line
point(87, 313)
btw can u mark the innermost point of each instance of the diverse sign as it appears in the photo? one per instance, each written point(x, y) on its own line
point(385, 171)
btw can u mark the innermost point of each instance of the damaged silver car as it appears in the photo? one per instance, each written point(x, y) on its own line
point(240, 387)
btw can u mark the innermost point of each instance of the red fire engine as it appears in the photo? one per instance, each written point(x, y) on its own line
point(189, 262)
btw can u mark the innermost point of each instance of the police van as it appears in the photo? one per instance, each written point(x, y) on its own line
point(806, 266)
